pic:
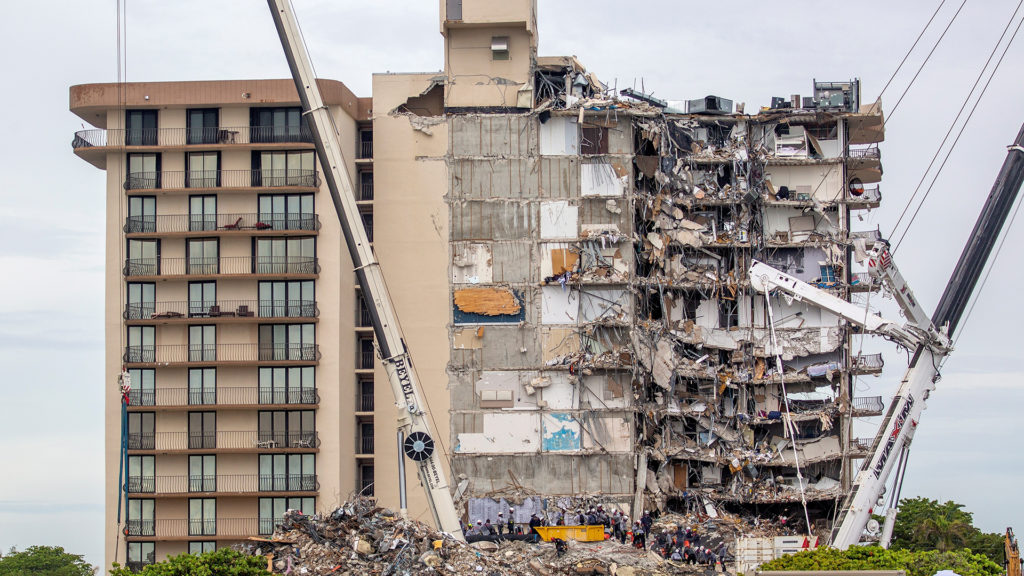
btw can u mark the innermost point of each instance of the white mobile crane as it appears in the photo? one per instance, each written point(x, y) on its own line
point(419, 445)
point(929, 339)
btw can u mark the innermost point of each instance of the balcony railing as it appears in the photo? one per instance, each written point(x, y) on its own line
point(138, 565)
point(203, 353)
point(870, 195)
point(366, 402)
point(871, 235)
point(366, 445)
point(366, 149)
point(366, 358)
point(185, 484)
point(227, 440)
point(867, 405)
point(191, 136)
point(861, 445)
point(366, 189)
point(227, 528)
point(222, 309)
point(867, 363)
point(872, 153)
point(225, 266)
point(181, 179)
point(140, 527)
point(163, 223)
point(246, 396)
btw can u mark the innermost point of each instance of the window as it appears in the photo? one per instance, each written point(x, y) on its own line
point(143, 258)
point(287, 428)
point(287, 212)
point(202, 256)
point(202, 516)
point(366, 395)
point(202, 385)
point(366, 354)
point(286, 256)
point(141, 214)
point(202, 430)
point(365, 445)
point(293, 168)
point(499, 48)
point(201, 547)
point(202, 473)
point(140, 128)
point(292, 472)
point(140, 554)
point(273, 509)
point(202, 343)
point(202, 298)
point(141, 430)
point(141, 474)
point(281, 299)
point(828, 275)
point(140, 517)
point(203, 170)
point(367, 218)
point(287, 342)
point(143, 391)
point(366, 185)
point(366, 479)
point(141, 301)
point(292, 385)
point(202, 213)
point(141, 344)
point(277, 125)
point(366, 143)
point(143, 172)
point(202, 125)
point(728, 313)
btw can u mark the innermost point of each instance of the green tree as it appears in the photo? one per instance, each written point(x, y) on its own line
point(221, 562)
point(44, 561)
point(919, 563)
point(925, 524)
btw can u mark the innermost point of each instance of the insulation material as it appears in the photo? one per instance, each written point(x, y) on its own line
point(471, 264)
point(561, 433)
point(558, 393)
point(559, 136)
point(601, 179)
point(559, 343)
point(558, 220)
point(468, 338)
point(565, 306)
point(613, 433)
point(487, 301)
point(503, 433)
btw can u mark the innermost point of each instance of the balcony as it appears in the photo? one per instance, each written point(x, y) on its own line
point(867, 406)
point(138, 565)
point(219, 354)
point(222, 528)
point(366, 402)
point(192, 180)
point(867, 364)
point(175, 137)
point(365, 186)
point(160, 267)
point(244, 397)
point(223, 484)
point(871, 197)
point(238, 441)
point(365, 445)
point(860, 447)
point(365, 150)
point(869, 153)
point(184, 311)
point(220, 223)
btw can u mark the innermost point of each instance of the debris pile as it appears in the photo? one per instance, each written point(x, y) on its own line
point(361, 538)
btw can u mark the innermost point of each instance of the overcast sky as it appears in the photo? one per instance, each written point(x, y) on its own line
point(51, 209)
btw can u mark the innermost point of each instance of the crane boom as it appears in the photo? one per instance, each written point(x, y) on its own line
point(419, 444)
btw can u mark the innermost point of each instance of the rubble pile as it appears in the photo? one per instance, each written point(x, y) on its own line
point(361, 538)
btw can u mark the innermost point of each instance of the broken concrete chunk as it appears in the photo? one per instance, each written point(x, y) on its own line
point(612, 206)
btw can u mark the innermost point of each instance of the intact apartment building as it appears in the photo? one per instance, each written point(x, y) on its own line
point(568, 264)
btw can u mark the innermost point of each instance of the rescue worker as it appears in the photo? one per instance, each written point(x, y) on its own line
point(488, 529)
point(623, 528)
point(511, 520)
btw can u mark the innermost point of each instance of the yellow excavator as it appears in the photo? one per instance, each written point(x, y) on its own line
point(1012, 554)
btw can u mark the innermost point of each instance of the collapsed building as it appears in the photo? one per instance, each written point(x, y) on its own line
point(605, 340)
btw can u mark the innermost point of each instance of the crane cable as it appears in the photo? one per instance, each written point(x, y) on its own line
point(981, 74)
point(926, 59)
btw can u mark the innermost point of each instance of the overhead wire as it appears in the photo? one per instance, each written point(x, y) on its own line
point(959, 134)
point(914, 45)
point(926, 59)
point(963, 106)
